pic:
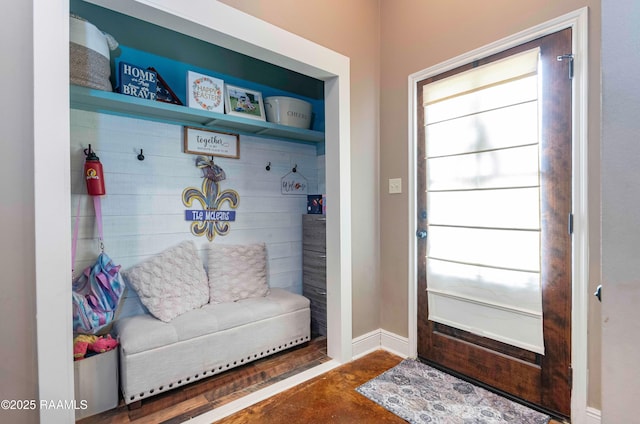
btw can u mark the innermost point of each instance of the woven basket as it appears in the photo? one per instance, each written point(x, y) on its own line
point(89, 55)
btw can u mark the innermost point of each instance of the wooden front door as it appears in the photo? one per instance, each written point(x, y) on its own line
point(539, 378)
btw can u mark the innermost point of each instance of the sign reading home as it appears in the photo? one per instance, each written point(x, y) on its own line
point(209, 215)
point(211, 143)
point(138, 82)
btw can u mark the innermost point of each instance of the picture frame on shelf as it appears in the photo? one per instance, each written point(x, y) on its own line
point(243, 102)
point(164, 93)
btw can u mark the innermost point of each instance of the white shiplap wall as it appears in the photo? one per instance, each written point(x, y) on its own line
point(143, 212)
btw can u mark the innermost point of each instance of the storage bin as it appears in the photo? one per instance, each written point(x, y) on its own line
point(89, 55)
point(288, 111)
point(96, 383)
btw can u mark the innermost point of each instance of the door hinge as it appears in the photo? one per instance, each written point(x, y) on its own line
point(570, 58)
point(570, 223)
point(570, 377)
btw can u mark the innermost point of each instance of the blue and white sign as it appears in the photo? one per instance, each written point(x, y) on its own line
point(137, 82)
point(209, 215)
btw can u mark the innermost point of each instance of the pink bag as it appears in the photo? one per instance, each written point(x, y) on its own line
point(97, 292)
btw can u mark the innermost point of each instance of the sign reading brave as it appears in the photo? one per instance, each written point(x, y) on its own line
point(138, 82)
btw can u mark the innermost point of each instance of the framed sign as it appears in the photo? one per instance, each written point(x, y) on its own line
point(205, 92)
point(198, 141)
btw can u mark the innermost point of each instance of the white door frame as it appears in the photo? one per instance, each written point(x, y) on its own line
point(577, 21)
point(210, 21)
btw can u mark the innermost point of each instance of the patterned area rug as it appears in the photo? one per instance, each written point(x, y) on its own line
point(420, 394)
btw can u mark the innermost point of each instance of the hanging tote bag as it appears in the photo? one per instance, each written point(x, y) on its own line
point(97, 292)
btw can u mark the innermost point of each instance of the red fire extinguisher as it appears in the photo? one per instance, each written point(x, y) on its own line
point(93, 173)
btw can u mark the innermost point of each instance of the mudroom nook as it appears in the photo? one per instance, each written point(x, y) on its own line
point(157, 181)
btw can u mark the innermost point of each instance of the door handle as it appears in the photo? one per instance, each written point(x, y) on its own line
point(598, 292)
point(421, 234)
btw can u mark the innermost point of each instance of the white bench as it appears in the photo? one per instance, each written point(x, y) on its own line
point(157, 356)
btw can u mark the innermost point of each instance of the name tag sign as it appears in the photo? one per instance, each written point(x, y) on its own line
point(204, 215)
point(211, 143)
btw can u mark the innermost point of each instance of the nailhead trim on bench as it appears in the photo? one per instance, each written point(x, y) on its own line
point(203, 374)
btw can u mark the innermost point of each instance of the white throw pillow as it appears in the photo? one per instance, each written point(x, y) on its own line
point(237, 272)
point(172, 282)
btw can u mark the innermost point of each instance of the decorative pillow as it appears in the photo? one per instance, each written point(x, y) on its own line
point(172, 282)
point(237, 272)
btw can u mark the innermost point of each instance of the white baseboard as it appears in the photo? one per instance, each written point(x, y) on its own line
point(380, 339)
point(395, 344)
point(594, 416)
point(365, 344)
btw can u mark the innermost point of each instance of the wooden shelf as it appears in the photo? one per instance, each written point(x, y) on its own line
point(119, 104)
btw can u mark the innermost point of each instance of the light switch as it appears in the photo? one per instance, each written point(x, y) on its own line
point(395, 185)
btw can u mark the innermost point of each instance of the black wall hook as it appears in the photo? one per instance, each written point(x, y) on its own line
point(295, 168)
point(140, 156)
point(268, 167)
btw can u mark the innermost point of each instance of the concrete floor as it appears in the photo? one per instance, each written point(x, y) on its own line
point(329, 398)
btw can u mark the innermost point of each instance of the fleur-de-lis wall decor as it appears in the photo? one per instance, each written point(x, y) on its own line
point(211, 220)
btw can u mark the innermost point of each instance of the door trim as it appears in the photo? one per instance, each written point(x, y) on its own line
point(578, 22)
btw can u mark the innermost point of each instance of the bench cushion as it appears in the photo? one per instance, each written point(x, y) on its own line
point(143, 332)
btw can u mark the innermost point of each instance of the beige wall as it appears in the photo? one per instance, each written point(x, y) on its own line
point(352, 29)
point(18, 363)
point(620, 212)
point(414, 35)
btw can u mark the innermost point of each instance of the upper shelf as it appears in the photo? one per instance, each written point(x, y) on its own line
point(119, 104)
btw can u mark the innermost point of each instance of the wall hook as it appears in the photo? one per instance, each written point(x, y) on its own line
point(140, 156)
point(268, 167)
point(295, 168)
